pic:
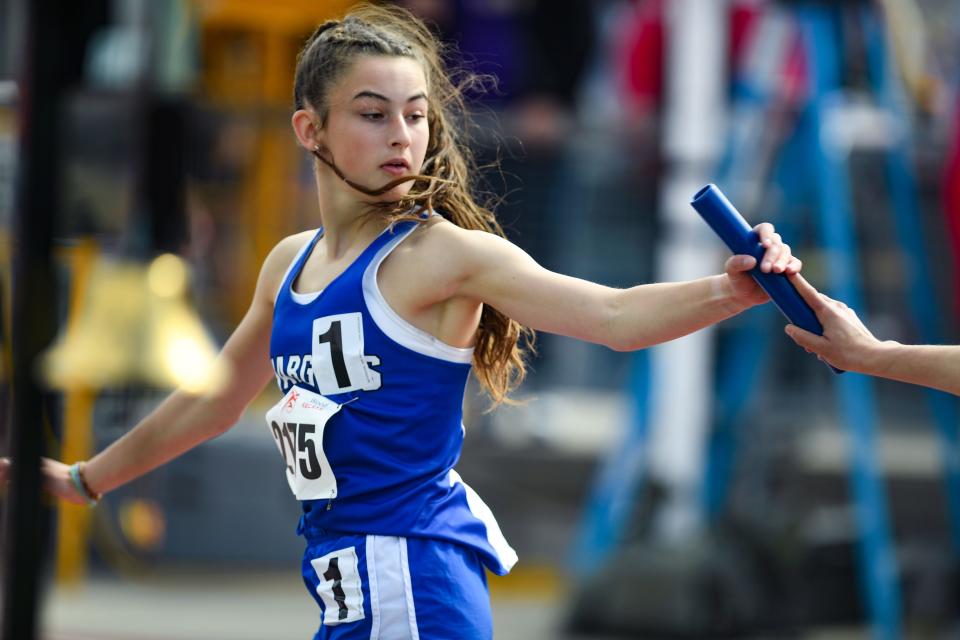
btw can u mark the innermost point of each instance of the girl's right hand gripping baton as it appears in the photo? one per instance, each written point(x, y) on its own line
point(727, 223)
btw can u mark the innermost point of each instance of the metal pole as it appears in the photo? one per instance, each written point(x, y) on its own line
point(681, 380)
point(33, 314)
point(879, 573)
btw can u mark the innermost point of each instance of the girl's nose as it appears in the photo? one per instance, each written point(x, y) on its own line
point(399, 133)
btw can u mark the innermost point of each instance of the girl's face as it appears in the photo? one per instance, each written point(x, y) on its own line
point(376, 128)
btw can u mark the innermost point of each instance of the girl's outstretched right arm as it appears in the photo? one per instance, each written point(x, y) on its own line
point(184, 420)
point(481, 266)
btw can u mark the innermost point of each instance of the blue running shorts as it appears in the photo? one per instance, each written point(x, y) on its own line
point(394, 588)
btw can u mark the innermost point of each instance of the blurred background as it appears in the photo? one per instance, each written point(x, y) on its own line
point(724, 485)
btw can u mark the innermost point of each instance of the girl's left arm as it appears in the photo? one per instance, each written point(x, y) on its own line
point(498, 273)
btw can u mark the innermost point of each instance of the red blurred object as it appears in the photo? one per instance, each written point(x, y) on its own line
point(796, 79)
point(743, 18)
point(951, 203)
point(641, 56)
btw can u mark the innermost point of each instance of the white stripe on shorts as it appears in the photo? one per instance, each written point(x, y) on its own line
point(374, 589)
point(480, 510)
point(411, 611)
point(391, 598)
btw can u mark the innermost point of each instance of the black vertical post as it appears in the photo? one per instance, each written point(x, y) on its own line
point(34, 311)
point(162, 159)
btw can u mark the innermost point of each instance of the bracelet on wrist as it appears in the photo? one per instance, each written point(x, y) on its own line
point(80, 484)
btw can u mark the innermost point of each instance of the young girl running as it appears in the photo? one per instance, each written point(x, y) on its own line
point(372, 323)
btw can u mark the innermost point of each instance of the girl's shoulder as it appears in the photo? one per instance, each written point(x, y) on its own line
point(281, 256)
point(439, 235)
point(293, 243)
point(287, 249)
point(438, 241)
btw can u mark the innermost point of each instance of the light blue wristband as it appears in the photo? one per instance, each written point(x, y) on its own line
point(76, 477)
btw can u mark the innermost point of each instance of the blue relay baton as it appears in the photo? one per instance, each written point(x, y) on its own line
point(727, 223)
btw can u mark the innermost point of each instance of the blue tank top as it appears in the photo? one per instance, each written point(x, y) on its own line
point(370, 426)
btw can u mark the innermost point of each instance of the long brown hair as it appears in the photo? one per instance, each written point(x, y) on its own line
point(447, 181)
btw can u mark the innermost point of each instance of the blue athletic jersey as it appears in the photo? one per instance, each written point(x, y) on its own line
point(370, 425)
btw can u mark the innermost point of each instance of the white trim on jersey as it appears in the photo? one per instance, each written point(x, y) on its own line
point(286, 274)
point(304, 298)
point(391, 598)
point(395, 327)
point(480, 510)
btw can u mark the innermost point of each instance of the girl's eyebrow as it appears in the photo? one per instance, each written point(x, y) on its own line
point(383, 98)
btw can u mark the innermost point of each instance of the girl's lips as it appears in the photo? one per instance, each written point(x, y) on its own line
point(394, 169)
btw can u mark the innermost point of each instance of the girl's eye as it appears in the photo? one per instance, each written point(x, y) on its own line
point(416, 117)
point(372, 116)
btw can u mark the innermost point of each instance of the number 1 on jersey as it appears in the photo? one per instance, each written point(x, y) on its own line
point(333, 335)
point(339, 363)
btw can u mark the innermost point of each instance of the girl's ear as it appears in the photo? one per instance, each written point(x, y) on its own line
point(308, 133)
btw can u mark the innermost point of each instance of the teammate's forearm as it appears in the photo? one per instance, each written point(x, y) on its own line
point(654, 313)
point(928, 365)
point(178, 424)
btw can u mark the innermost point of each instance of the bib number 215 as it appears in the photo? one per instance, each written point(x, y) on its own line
point(298, 447)
point(297, 424)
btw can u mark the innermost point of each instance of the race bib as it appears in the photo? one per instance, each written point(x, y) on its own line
point(340, 586)
point(339, 363)
point(296, 424)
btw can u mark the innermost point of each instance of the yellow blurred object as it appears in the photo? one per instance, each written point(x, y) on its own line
point(98, 347)
point(250, 46)
point(249, 51)
point(907, 35)
point(167, 276)
point(143, 523)
point(74, 521)
point(179, 350)
point(135, 325)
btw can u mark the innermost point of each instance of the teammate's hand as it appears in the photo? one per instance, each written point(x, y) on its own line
point(55, 477)
point(777, 259)
point(846, 343)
